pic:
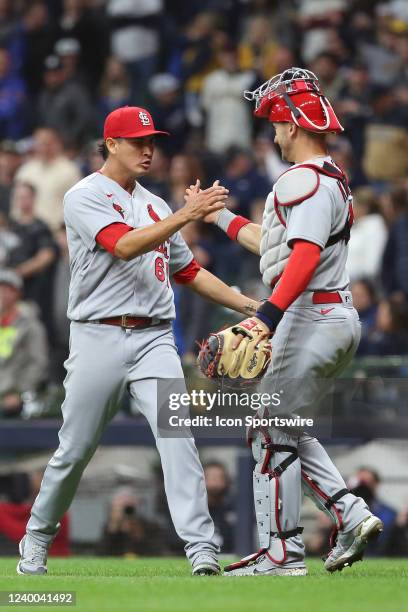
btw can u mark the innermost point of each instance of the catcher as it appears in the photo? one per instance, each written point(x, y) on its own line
point(315, 329)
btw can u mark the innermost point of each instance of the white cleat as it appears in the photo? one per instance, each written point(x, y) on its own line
point(350, 546)
point(261, 565)
point(33, 561)
point(206, 565)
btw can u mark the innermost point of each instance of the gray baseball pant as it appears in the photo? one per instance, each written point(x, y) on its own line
point(309, 348)
point(103, 361)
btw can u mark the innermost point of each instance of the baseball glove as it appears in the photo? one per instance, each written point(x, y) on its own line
point(217, 358)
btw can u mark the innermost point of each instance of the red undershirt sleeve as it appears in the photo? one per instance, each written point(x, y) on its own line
point(109, 235)
point(298, 272)
point(187, 274)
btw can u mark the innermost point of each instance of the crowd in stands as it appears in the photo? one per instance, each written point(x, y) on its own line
point(130, 530)
point(65, 64)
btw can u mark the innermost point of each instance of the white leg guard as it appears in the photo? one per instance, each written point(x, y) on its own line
point(277, 496)
point(268, 479)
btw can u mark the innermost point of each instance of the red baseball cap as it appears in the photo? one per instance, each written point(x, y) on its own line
point(129, 122)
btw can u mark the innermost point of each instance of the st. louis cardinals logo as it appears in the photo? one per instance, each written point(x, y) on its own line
point(119, 209)
point(144, 118)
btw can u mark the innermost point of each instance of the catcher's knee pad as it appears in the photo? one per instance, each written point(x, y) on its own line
point(268, 479)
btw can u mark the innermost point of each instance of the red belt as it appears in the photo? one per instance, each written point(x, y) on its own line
point(326, 297)
point(129, 322)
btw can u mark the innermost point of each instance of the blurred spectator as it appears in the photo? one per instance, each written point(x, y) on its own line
point(398, 538)
point(18, 491)
point(136, 39)
point(217, 482)
point(37, 35)
point(389, 335)
point(10, 160)
point(316, 18)
point(386, 153)
point(12, 100)
point(317, 542)
point(245, 183)
point(380, 57)
point(184, 171)
point(395, 260)
point(365, 484)
point(168, 110)
point(60, 322)
point(193, 58)
point(9, 241)
point(327, 68)
point(68, 50)
point(354, 107)
point(126, 531)
point(63, 104)
point(51, 173)
point(35, 254)
point(257, 50)
point(90, 28)
point(114, 89)
point(365, 302)
point(368, 237)
point(189, 330)
point(268, 159)
point(23, 346)
point(228, 120)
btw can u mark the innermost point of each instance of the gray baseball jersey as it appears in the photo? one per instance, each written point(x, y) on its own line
point(103, 285)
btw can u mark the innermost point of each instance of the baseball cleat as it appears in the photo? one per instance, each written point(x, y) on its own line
point(33, 561)
point(205, 565)
point(350, 546)
point(262, 566)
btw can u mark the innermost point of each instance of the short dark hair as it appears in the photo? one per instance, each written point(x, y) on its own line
point(103, 150)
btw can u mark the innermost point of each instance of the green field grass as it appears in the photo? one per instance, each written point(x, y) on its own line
point(166, 585)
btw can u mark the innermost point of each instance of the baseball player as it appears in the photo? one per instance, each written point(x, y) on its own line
point(124, 246)
point(303, 247)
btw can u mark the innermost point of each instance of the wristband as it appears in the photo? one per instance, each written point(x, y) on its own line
point(231, 223)
point(270, 314)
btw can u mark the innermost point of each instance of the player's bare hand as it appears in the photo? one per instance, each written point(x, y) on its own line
point(199, 203)
point(212, 216)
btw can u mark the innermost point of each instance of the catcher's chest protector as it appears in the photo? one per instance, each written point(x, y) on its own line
point(274, 250)
point(295, 185)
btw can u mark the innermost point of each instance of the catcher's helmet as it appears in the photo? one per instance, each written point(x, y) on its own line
point(294, 96)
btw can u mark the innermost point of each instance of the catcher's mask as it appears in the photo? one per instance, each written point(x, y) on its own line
point(294, 96)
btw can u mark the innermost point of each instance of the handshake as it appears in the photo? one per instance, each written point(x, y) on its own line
point(204, 204)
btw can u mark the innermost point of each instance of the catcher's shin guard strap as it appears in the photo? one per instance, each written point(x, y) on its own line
point(283, 535)
point(334, 498)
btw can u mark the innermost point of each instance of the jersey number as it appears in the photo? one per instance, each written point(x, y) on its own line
point(160, 269)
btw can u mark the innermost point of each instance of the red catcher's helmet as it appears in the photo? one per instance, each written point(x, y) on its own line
point(294, 96)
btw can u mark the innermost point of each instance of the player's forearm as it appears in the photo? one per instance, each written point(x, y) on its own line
point(240, 229)
point(140, 241)
point(212, 288)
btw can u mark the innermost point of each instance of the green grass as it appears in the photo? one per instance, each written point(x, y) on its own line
point(166, 585)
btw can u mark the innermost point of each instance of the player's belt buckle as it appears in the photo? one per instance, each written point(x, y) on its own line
point(127, 325)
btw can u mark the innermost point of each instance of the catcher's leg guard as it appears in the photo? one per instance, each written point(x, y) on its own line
point(322, 482)
point(277, 496)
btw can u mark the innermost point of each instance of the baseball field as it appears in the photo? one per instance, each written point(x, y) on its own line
point(164, 584)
